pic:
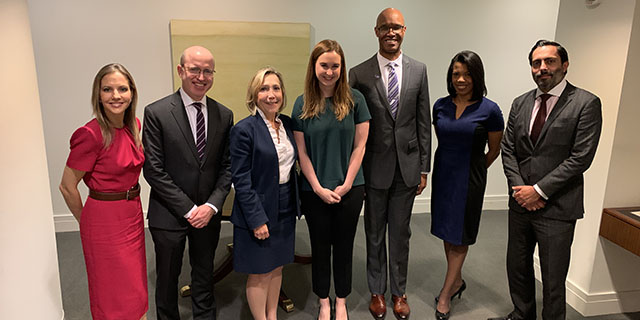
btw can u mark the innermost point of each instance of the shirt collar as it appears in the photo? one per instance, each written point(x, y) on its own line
point(556, 91)
point(187, 101)
point(382, 61)
point(265, 117)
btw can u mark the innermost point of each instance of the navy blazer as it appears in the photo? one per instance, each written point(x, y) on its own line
point(255, 173)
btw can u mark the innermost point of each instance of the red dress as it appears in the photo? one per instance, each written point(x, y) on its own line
point(112, 232)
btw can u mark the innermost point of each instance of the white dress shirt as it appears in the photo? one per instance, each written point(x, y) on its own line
point(192, 113)
point(384, 72)
point(192, 116)
point(284, 148)
point(551, 102)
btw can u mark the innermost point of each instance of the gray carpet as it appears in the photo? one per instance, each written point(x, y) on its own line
point(484, 272)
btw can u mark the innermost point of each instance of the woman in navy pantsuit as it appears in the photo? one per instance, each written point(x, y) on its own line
point(263, 153)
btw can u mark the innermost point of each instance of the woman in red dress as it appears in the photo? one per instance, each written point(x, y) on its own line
point(107, 154)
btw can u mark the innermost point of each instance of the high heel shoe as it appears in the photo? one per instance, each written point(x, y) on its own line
point(459, 292)
point(440, 315)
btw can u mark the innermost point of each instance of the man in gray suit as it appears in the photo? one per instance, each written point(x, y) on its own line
point(397, 157)
point(186, 145)
point(550, 141)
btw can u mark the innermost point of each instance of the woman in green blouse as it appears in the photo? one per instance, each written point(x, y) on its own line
point(331, 124)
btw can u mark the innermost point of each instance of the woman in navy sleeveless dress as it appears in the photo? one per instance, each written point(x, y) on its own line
point(465, 122)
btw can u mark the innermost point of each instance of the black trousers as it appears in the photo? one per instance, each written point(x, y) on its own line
point(169, 248)
point(332, 228)
point(554, 239)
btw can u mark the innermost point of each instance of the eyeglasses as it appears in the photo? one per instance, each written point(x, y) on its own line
point(394, 27)
point(195, 71)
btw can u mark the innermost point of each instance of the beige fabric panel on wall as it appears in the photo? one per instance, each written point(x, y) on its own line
point(239, 50)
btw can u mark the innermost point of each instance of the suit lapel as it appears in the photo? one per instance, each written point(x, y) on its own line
point(406, 78)
point(180, 115)
point(527, 109)
point(292, 140)
point(563, 101)
point(263, 137)
point(379, 83)
point(263, 133)
point(213, 121)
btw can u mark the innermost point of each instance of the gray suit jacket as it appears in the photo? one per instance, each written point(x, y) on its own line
point(407, 139)
point(178, 179)
point(565, 149)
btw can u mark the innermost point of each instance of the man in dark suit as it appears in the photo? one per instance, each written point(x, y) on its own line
point(186, 145)
point(550, 141)
point(397, 157)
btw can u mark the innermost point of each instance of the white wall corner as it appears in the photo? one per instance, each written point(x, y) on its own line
point(65, 222)
point(496, 202)
point(598, 303)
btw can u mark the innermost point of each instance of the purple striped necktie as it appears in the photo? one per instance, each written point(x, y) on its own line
point(393, 92)
point(201, 137)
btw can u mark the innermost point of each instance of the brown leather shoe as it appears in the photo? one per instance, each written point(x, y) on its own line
point(400, 307)
point(378, 307)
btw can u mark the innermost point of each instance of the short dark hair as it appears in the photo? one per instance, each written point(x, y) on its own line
point(562, 52)
point(474, 65)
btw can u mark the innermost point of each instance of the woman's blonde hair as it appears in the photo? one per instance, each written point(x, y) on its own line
point(256, 83)
point(314, 102)
point(106, 127)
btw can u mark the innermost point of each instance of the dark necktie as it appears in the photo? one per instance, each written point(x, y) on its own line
point(201, 138)
point(392, 94)
point(538, 123)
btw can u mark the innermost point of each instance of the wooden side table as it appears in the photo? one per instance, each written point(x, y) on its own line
point(622, 227)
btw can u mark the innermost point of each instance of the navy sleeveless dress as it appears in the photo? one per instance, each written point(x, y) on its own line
point(459, 170)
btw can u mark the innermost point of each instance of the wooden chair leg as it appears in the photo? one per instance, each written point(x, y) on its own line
point(285, 303)
point(302, 259)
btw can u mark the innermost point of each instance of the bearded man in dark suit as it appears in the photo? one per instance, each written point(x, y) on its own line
point(550, 141)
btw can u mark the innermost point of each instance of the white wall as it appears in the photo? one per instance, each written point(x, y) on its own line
point(622, 185)
point(603, 51)
point(30, 283)
point(73, 39)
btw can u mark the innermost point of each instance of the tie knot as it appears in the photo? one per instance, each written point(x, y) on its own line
point(544, 97)
point(197, 105)
point(391, 65)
